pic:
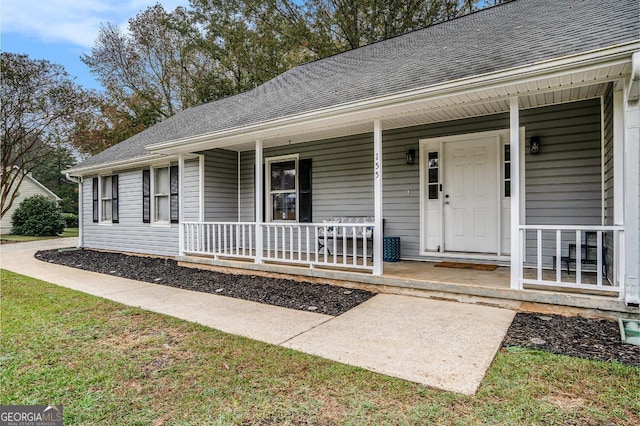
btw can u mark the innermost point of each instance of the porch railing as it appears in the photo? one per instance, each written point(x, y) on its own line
point(325, 244)
point(577, 257)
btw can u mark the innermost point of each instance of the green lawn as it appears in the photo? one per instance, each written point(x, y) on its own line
point(111, 364)
point(68, 232)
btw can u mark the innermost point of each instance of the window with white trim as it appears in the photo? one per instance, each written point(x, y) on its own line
point(105, 199)
point(106, 189)
point(282, 188)
point(160, 200)
point(161, 195)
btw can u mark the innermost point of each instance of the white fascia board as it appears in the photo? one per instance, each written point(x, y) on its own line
point(132, 163)
point(113, 165)
point(566, 64)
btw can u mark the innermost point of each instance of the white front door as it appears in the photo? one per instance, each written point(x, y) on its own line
point(470, 191)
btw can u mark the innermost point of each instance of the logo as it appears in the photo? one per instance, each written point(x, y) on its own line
point(31, 415)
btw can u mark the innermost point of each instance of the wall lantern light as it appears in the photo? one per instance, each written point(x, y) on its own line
point(534, 145)
point(411, 156)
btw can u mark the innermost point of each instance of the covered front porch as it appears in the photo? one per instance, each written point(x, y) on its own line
point(551, 217)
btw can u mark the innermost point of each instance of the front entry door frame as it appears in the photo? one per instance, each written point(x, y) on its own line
point(432, 209)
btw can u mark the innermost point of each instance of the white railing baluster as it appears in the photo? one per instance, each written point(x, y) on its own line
point(579, 256)
point(539, 252)
point(599, 260)
point(559, 256)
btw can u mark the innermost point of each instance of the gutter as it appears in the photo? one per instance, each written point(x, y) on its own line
point(80, 171)
point(503, 77)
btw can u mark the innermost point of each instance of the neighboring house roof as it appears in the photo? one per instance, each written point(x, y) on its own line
point(516, 34)
point(44, 189)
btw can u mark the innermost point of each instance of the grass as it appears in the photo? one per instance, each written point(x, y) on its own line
point(112, 364)
point(68, 232)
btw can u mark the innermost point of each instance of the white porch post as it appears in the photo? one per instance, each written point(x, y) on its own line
point(516, 244)
point(632, 187)
point(259, 201)
point(181, 203)
point(201, 187)
point(377, 199)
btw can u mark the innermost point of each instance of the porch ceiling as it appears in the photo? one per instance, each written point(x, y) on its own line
point(486, 99)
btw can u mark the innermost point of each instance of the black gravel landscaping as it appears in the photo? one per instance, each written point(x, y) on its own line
point(592, 338)
point(305, 296)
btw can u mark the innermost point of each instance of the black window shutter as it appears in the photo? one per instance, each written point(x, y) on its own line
point(95, 200)
point(114, 199)
point(173, 195)
point(146, 196)
point(304, 204)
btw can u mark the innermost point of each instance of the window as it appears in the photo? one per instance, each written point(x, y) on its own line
point(283, 194)
point(433, 176)
point(288, 189)
point(160, 195)
point(507, 171)
point(105, 199)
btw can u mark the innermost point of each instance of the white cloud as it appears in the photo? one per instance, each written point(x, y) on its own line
point(71, 21)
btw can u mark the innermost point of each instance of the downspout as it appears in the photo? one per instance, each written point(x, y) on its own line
point(634, 86)
point(80, 221)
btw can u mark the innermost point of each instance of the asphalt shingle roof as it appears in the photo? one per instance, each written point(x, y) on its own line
point(511, 35)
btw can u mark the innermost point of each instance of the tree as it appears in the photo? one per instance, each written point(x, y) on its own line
point(109, 121)
point(49, 173)
point(39, 106)
point(352, 24)
point(154, 62)
point(37, 216)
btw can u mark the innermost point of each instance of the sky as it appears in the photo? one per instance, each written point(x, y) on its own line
point(62, 30)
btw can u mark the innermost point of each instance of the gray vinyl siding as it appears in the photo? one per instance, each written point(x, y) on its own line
point(131, 234)
point(341, 176)
point(191, 196)
point(563, 183)
point(221, 186)
point(609, 205)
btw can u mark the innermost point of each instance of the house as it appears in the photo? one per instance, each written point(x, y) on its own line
point(28, 188)
point(508, 136)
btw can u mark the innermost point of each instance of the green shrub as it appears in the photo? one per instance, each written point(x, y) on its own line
point(70, 220)
point(37, 216)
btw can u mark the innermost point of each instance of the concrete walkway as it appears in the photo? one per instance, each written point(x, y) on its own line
point(440, 344)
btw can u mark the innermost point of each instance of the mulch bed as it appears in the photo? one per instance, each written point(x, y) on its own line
point(592, 338)
point(305, 296)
